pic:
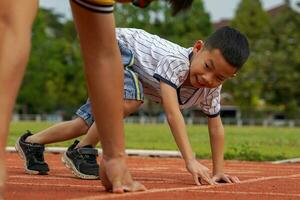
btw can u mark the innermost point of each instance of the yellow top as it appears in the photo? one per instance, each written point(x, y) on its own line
point(102, 2)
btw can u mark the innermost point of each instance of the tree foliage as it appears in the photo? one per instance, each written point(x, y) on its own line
point(54, 78)
point(253, 21)
point(283, 73)
point(270, 77)
point(183, 29)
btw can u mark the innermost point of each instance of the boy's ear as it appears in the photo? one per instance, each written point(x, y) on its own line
point(198, 46)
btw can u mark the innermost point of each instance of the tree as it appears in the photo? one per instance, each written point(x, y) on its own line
point(252, 20)
point(54, 77)
point(183, 29)
point(282, 83)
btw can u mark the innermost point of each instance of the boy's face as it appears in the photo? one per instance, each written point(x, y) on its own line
point(208, 67)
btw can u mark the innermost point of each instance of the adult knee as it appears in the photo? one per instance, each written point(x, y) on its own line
point(15, 33)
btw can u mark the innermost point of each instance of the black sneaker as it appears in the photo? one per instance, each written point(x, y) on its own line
point(82, 161)
point(32, 154)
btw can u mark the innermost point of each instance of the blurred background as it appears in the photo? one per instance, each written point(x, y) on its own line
point(266, 91)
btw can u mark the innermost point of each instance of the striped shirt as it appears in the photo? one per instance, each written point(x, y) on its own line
point(157, 59)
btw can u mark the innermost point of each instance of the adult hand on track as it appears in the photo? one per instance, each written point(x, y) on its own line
point(116, 177)
point(199, 172)
point(224, 178)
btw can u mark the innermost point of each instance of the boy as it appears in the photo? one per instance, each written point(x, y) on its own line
point(95, 25)
point(177, 77)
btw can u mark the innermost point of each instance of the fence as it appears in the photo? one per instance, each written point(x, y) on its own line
point(161, 119)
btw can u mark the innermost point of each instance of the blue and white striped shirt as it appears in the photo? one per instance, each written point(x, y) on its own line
point(157, 59)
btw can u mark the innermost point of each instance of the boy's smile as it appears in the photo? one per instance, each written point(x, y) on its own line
point(208, 67)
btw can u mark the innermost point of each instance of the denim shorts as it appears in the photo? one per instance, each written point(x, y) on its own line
point(133, 90)
point(126, 55)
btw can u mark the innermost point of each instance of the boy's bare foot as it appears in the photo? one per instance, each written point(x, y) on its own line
point(116, 177)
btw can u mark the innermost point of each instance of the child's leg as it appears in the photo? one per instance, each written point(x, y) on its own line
point(60, 132)
point(92, 136)
point(31, 147)
point(15, 24)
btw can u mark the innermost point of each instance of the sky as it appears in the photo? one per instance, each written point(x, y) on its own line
point(216, 9)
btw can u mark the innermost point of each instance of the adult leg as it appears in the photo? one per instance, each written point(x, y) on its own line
point(16, 19)
point(104, 73)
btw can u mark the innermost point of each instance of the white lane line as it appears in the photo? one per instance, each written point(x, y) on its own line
point(193, 188)
point(66, 177)
point(293, 160)
point(55, 185)
point(130, 152)
point(39, 177)
point(249, 193)
point(57, 168)
point(270, 178)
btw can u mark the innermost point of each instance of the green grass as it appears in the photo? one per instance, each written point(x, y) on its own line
point(242, 143)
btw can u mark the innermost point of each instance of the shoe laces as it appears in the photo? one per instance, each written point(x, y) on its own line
point(37, 154)
point(91, 159)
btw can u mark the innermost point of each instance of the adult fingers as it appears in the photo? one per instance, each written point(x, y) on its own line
point(196, 179)
point(215, 179)
point(104, 178)
point(235, 179)
point(226, 179)
point(119, 180)
point(130, 185)
point(205, 176)
point(111, 178)
point(135, 186)
point(117, 186)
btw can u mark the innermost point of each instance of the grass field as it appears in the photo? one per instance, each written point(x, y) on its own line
point(242, 143)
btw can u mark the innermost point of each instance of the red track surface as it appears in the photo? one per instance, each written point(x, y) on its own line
point(165, 179)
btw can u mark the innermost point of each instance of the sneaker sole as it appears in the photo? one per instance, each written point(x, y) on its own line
point(22, 155)
point(69, 164)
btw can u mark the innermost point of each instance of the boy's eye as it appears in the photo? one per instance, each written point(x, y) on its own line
point(206, 66)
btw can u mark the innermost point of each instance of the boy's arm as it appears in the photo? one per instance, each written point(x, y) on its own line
point(177, 125)
point(216, 133)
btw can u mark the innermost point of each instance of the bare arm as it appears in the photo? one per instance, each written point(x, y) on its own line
point(104, 74)
point(178, 128)
point(216, 133)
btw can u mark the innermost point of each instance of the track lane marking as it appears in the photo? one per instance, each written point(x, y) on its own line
point(250, 193)
point(193, 188)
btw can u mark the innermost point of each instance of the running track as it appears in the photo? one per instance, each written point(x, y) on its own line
point(165, 178)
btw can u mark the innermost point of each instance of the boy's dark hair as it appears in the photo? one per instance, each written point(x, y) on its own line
point(180, 5)
point(233, 45)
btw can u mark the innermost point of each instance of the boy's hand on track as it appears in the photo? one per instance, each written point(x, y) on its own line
point(199, 172)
